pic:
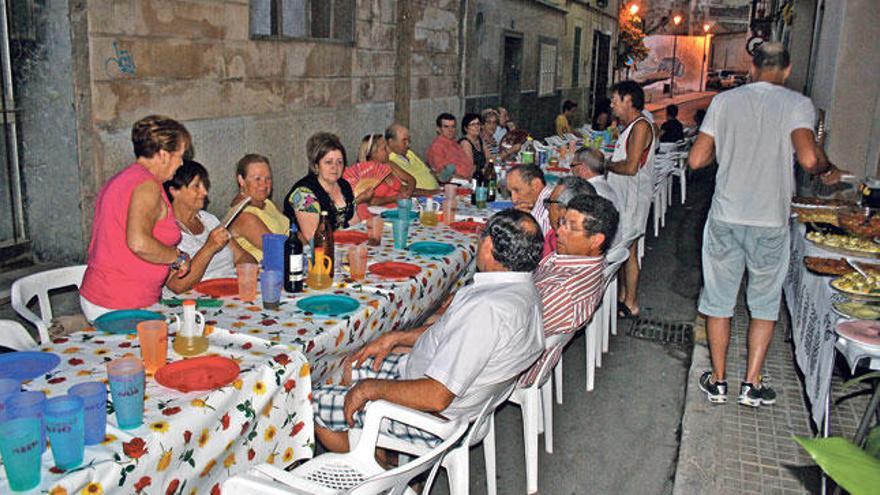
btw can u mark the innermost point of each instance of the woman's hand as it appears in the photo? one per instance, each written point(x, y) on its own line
point(365, 196)
point(217, 239)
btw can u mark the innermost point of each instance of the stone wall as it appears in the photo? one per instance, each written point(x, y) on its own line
point(47, 133)
point(195, 61)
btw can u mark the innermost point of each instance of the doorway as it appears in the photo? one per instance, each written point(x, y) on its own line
point(599, 72)
point(511, 74)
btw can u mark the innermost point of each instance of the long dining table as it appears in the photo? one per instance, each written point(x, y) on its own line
point(190, 442)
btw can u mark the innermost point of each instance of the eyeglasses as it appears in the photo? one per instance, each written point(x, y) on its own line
point(550, 202)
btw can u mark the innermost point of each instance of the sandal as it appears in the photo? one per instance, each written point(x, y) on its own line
point(624, 312)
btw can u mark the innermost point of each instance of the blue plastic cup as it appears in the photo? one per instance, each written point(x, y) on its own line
point(481, 193)
point(66, 430)
point(20, 449)
point(270, 288)
point(30, 404)
point(273, 252)
point(126, 376)
point(94, 397)
point(404, 206)
point(401, 232)
point(8, 387)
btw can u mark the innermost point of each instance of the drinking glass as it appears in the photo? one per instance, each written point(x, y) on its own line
point(153, 337)
point(482, 193)
point(94, 397)
point(31, 404)
point(401, 232)
point(8, 387)
point(126, 376)
point(357, 261)
point(404, 206)
point(21, 451)
point(270, 287)
point(273, 252)
point(247, 281)
point(65, 427)
point(375, 228)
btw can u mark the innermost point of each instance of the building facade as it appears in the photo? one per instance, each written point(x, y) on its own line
point(244, 76)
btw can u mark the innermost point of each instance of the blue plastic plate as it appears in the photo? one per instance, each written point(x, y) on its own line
point(392, 215)
point(27, 365)
point(125, 321)
point(431, 248)
point(328, 305)
point(501, 205)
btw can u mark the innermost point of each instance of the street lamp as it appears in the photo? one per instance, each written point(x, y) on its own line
point(676, 20)
point(634, 9)
point(706, 28)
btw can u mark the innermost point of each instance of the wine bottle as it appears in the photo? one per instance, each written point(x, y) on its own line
point(293, 262)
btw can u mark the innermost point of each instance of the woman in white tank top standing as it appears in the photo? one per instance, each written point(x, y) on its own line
point(632, 178)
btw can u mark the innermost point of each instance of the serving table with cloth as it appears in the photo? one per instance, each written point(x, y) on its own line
point(190, 442)
point(813, 321)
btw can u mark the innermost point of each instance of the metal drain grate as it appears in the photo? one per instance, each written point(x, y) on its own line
point(664, 332)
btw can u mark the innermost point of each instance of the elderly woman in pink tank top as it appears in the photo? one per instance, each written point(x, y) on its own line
point(134, 235)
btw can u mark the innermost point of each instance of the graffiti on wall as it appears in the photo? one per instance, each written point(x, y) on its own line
point(121, 64)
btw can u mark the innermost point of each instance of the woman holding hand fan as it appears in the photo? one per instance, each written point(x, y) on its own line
point(374, 171)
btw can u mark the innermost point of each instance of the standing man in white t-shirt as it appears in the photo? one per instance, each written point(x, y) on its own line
point(752, 132)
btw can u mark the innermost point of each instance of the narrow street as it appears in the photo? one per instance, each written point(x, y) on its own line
point(622, 437)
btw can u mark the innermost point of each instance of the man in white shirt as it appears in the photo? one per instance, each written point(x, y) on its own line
point(752, 132)
point(490, 334)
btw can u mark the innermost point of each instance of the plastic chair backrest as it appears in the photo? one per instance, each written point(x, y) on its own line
point(15, 336)
point(542, 369)
point(396, 480)
point(38, 285)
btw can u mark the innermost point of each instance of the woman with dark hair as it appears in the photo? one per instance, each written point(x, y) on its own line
point(323, 189)
point(134, 233)
point(472, 143)
point(202, 236)
point(261, 216)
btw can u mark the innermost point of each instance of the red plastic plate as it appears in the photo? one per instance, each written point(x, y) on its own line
point(467, 226)
point(218, 287)
point(349, 237)
point(394, 270)
point(200, 373)
point(464, 191)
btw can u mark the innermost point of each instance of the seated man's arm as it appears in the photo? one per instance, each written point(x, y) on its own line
point(424, 394)
point(380, 348)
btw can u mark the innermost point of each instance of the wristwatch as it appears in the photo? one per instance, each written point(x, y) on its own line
point(181, 259)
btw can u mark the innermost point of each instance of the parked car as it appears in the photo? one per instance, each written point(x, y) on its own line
point(725, 79)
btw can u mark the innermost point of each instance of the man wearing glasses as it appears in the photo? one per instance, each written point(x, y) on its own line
point(571, 281)
point(557, 202)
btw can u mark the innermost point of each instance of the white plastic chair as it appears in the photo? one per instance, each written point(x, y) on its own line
point(14, 335)
point(357, 472)
point(38, 285)
point(457, 460)
point(536, 403)
point(680, 171)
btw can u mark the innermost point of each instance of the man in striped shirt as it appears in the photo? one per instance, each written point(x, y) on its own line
point(570, 281)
